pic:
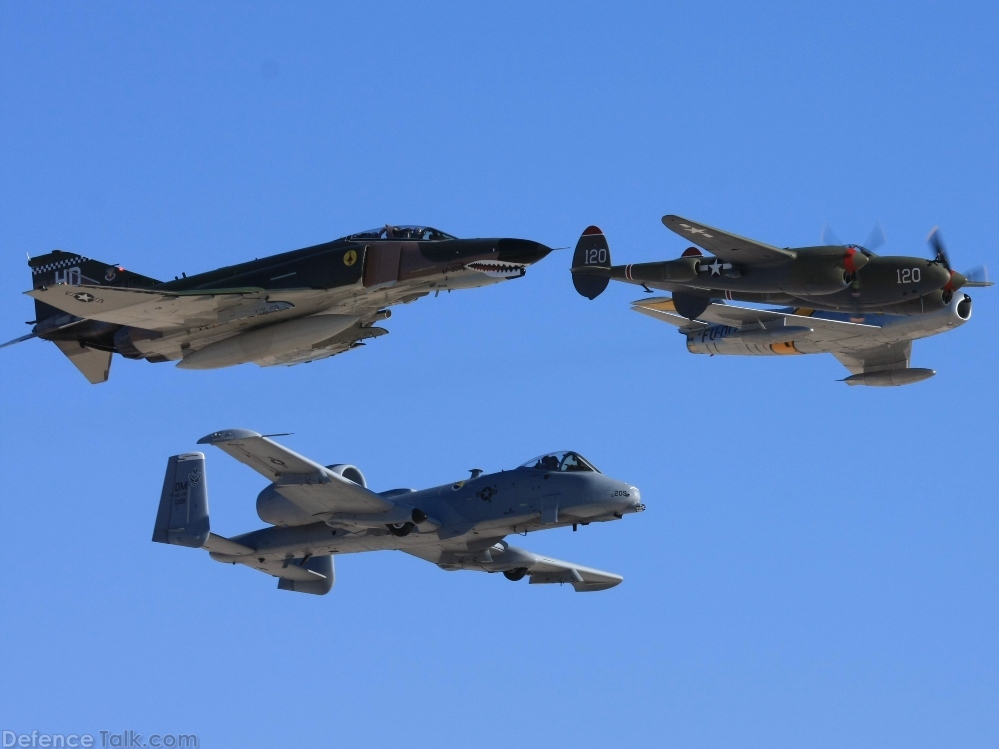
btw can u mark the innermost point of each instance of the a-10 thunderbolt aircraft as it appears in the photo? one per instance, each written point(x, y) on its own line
point(286, 309)
point(318, 511)
point(832, 277)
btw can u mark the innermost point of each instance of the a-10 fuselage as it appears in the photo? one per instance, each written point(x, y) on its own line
point(487, 507)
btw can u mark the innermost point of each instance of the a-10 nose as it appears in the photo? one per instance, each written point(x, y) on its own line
point(521, 251)
point(630, 499)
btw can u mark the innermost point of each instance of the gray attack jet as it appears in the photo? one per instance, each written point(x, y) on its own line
point(318, 511)
point(831, 277)
point(286, 309)
point(875, 348)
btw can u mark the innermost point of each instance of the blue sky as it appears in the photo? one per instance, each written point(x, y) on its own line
point(817, 565)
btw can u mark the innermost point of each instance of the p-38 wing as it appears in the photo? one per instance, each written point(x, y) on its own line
point(729, 247)
point(800, 322)
point(871, 353)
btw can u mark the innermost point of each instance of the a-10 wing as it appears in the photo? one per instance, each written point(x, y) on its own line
point(501, 557)
point(309, 485)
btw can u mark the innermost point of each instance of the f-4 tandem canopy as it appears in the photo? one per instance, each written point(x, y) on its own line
point(410, 232)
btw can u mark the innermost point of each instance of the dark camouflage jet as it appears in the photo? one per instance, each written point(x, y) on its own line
point(831, 277)
point(286, 309)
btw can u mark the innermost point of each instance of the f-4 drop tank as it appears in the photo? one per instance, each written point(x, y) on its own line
point(272, 340)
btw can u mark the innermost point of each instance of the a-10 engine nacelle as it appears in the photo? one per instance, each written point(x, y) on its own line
point(275, 509)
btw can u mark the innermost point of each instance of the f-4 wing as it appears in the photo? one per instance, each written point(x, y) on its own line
point(314, 488)
point(159, 310)
point(729, 247)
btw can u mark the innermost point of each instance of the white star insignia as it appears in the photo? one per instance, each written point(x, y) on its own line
point(695, 230)
point(84, 297)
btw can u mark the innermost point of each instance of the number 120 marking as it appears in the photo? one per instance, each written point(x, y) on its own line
point(909, 275)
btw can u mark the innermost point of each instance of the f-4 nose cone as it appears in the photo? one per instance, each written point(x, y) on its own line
point(521, 251)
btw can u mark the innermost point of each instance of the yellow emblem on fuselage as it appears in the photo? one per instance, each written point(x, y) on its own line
point(350, 258)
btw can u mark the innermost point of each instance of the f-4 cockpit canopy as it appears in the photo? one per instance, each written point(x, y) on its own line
point(561, 461)
point(407, 232)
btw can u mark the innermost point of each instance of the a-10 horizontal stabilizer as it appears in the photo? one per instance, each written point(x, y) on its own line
point(320, 576)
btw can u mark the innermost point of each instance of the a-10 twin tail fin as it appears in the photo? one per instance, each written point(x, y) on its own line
point(591, 263)
point(182, 520)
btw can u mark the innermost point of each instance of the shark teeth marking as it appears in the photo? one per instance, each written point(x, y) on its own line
point(497, 268)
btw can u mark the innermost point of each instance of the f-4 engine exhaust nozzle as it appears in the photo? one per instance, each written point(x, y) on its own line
point(591, 263)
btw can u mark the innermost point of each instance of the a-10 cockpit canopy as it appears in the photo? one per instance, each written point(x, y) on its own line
point(561, 461)
point(410, 233)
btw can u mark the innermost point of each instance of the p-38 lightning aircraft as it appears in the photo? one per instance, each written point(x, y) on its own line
point(290, 308)
point(317, 511)
point(875, 348)
point(836, 278)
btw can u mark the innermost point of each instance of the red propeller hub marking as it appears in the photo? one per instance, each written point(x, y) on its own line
point(848, 263)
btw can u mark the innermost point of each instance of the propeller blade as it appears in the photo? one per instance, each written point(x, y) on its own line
point(937, 245)
point(876, 238)
point(978, 277)
point(829, 236)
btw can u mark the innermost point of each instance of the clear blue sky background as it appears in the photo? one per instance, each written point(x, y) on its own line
point(818, 564)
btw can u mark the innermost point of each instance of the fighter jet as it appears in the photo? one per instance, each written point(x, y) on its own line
point(316, 511)
point(837, 278)
point(291, 308)
point(876, 349)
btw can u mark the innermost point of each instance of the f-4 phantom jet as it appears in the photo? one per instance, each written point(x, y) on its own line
point(285, 309)
point(831, 277)
point(876, 349)
point(317, 511)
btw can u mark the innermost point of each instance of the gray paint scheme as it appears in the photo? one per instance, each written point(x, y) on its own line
point(317, 511)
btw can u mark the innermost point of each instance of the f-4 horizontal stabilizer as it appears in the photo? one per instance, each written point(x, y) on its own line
point(93, 363)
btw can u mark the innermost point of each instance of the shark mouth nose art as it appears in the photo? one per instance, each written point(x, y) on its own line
point(497, 268)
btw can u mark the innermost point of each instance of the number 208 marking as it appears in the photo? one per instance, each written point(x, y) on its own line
point(909, 275)
point(594, 257)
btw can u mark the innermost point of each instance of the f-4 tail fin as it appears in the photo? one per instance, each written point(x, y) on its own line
point(591, 263)
point(70, 268)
